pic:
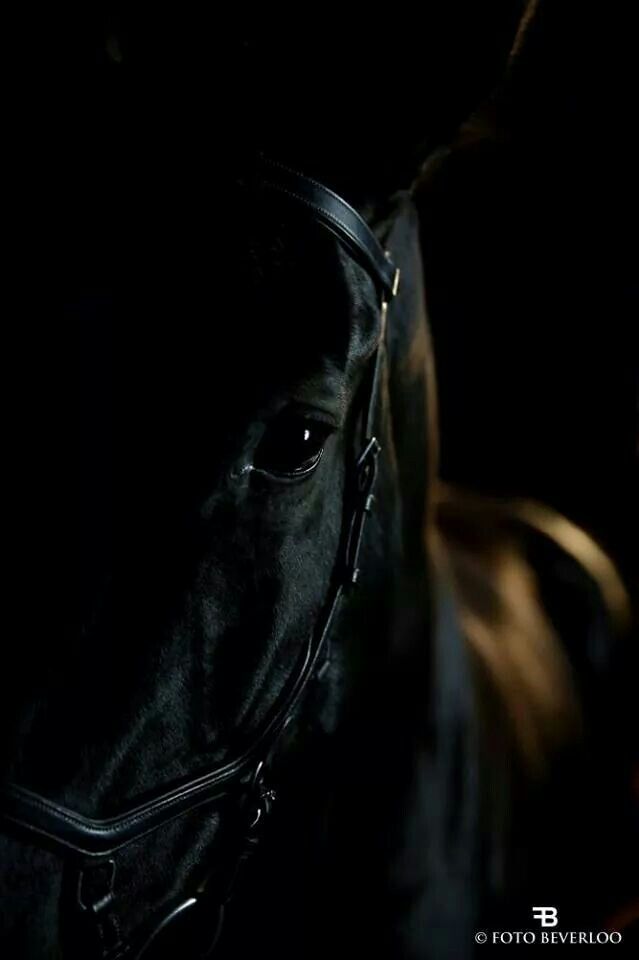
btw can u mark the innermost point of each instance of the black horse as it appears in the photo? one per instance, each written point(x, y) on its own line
point(257, 728)
point(234, 538)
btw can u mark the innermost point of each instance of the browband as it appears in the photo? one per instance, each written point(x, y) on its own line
point(337, 216)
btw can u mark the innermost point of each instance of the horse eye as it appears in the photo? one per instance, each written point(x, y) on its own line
point(292, 446)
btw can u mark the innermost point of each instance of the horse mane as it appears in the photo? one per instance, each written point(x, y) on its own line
point(522, 665)
point(521, 659)
point(480, 542)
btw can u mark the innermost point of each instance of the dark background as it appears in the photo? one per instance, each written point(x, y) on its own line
point(530, 231)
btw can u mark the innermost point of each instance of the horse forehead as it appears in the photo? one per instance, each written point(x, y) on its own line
point(189, 354)
point(207, 337)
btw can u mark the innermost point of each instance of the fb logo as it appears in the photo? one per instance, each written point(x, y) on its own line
point(547, 916)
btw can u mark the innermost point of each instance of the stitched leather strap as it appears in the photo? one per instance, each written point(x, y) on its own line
point(337, 216)
point(71, 832)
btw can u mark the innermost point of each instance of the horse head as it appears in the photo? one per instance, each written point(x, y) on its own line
point(233, 368)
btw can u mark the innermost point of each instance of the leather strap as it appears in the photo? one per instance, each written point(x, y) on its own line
point(337, 216)
point(71, 832)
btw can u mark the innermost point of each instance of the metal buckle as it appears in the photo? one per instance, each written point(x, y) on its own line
point(96, 903)
point(396, 275)
point(261, 799)
point(366, 473)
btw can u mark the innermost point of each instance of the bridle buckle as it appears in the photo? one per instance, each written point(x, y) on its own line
point(365, 476)
point(100, 876)
point(395, 287)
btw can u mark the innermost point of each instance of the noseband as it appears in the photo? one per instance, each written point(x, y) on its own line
point(89, 845)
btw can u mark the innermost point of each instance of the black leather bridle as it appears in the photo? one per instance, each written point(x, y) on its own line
point(90, 846)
